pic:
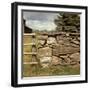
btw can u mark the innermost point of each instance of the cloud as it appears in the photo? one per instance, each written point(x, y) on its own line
point(42, 16)
point(40, 20)
point(40, 25)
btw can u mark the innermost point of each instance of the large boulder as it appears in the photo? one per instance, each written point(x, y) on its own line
point(45, 51)
point(55, 60)
point(62, 50)
point(75, 57)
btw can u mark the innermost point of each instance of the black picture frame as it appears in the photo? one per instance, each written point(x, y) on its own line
point(14, 43)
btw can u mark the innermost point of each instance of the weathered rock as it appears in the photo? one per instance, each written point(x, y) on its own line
point(45, 51)
point(67, 34)
point(75, 42)
point(40, 46)
point(62, 50)
point(73, 63)
point(78, 38)
point(44, 65)
point(51, 40)
point(75, 57)
point(41, 42)
point(55, 60)
point(45, 61)
point(61, 42)
point(42, 37)
point(59, 38)
point(74, 45)
point(65, 59)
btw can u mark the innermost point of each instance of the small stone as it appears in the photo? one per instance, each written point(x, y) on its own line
point(66, 59)
point(42, 37)
point(75, 42)
point(44, 65)
point(74, 45)
point(41, 42)
point(67, 34)
point(51, 40)
point(78, 38)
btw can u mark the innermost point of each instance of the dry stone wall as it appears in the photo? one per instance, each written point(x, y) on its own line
point(58, 48)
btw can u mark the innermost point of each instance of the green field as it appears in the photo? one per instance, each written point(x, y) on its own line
point(50, 71)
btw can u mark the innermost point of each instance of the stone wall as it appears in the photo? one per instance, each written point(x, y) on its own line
point(58, 48)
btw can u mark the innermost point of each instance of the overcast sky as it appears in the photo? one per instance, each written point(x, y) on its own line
point(40, 20)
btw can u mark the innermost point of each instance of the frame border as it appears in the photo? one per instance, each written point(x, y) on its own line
point(14, 43)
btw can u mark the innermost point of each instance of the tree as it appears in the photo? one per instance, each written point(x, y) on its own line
point(67, 19)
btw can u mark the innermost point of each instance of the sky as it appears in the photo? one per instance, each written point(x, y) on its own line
point(40, 20)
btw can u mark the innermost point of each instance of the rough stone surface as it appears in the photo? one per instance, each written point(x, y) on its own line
point(45, 61)
point(61, 42)
point(75, 57)
point(65, 59)
point(42, 37)
point(76, 42)
point(59, 50)
point(45, 51)
point(78, 38)
point(74, 45)
point(41, 42)
point(55, 60)
point(51, 40)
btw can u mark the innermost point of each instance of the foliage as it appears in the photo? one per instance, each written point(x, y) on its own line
point(67, 19)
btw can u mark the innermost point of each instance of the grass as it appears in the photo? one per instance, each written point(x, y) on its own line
point(51, 71)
